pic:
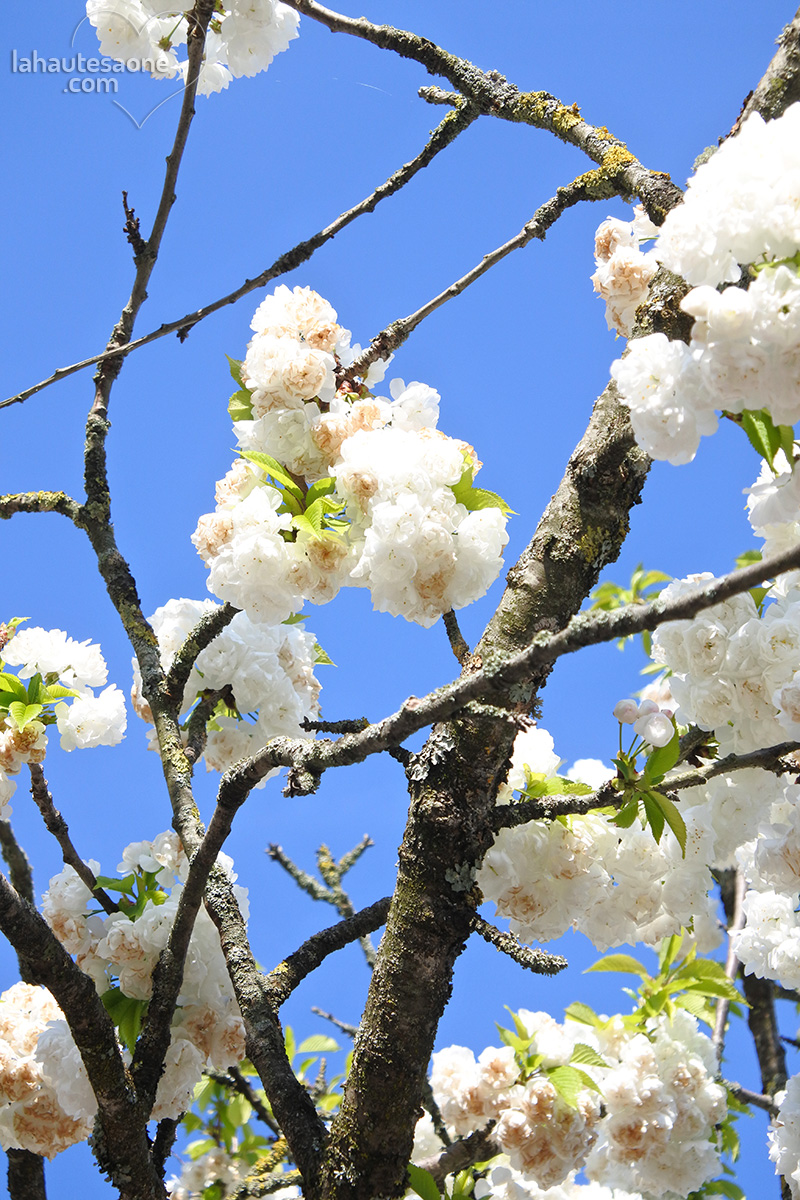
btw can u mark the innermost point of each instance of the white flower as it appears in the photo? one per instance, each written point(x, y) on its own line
point(78, 665)
point(92, 720)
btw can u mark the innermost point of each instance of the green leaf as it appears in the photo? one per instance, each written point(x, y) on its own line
point(235, 368)
point(323, 487)
point(663, 759)
point(748, 558)
point(10, 683)
point(587, 1056)
point(578, 1011)
point(321, 657)
point(289, 1043)
point(477, 498)
point(627, 814)
point(764, 436)
point(22, 714)
point(668, 951)
point(54, 691)
point(654, 815)
point(275, 470)
point(619, 962)
point(127, 885)
point(423, 1183)
point(569, 1082)
point(301, 522)
point(318, 1043)
point(673, 819)
point(126, 1013)
point(240, 406)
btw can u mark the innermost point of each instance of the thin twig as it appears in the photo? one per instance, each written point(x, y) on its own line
point(55, 824)
point(538, 961)
point(731, 964)
point(207, 628)
point(350, 1030)
point(289, 974)
point(19, 867)
point(461, 1154)
point(236, 1081)
point(585, 187)
point(458, 643)
point(757, 1099)
point(453, 124)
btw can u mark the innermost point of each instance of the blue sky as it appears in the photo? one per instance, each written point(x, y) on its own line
point(518, 360)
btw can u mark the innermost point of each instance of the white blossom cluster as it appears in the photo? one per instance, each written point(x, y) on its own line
point(242, 39)
point(83, 719)
point(219, 1170)
point(614, 885)
point(119, 952)
point(268, 669)
point(734, 671)
point(784, 1136)
point(35, 1114)
point(741, 207)
point(624, 272)
point(370, 493)
point(645, 1127)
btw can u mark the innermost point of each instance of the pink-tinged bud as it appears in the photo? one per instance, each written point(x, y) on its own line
point(626, 711)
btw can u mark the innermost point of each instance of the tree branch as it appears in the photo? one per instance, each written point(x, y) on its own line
point(731, 962)
point(501, 674)
point(120, 1141)
point(289, 974)
point(461, 1154)
point(591, 186)
point(31, 502)
point(538, 961)
point(25, 1175)
point(55, 824)
point(493, 95)
point(453, 124)
point(780, 85)
point(207, 628)
point(18, 863)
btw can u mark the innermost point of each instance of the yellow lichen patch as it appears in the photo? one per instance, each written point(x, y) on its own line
point(540, 108)
point(592, 542)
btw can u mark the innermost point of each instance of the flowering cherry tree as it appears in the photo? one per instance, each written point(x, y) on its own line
point(141, 1017)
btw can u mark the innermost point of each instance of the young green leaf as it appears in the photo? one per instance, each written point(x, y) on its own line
point(663, 759)
point(240, 406)
point(423, 1183)
point(587, 1056)
point(318, 1043)
point(673, 818)
point(624, 963)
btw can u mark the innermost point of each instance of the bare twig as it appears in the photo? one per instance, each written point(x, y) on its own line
point(350, 1030)
point(476, 1148)
point(19, 867)
point(757, 1099)
point(457, 642)
point(538, 961)
point(55, 824)
point(283, 980)
point(236, 1081)
point(452, 125)
point(585, 187)
point(203, 634)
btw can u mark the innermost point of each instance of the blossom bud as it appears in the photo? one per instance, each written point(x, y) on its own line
point(626, 711)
